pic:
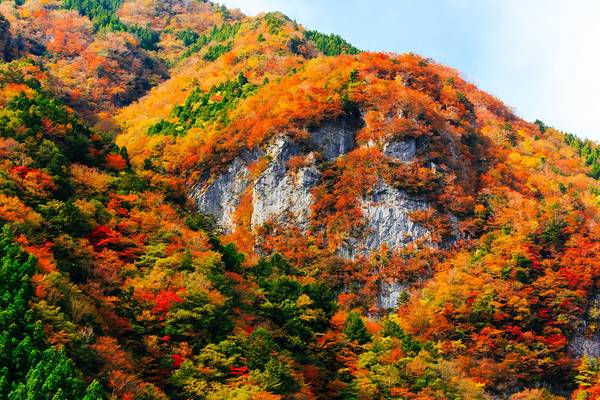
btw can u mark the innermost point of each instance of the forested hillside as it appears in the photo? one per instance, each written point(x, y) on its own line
point(198, 204)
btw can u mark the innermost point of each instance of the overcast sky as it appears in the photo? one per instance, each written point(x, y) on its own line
point(538, 56)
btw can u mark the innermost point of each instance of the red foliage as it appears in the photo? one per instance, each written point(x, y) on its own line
point(176, 360)
point(102, 236)
point(165, 300)
point(115, 162)
point(238, 371)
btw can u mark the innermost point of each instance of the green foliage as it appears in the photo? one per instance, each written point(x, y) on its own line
point(259, 349)
point(65, 217)
point(482, 309)
point(355, 328)
point(410, 346)
point(148, 38)
point(330, 45)
point(277, 378)
point(163, 127)
point(103, 13)
point(302, 310)
point(201, 108)
point(275, 21)
point(587, 372)
point(53, 377)
point(553, 235)
point(128, 182)
point(588, 150)
point(197, 317)
point(216, 51)
point(510, 134)
point(188, 37)
point(217, 34)
point(51, 136)
point(200, 222)
point(35, 114)
point(541, 125)
point(29, 368)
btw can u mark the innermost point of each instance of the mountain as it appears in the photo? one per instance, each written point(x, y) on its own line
point(198, 204)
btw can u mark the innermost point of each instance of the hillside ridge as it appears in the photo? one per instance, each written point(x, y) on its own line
point(200, 204)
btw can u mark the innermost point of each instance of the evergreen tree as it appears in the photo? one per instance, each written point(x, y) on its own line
point(355, 328)
point(330, 45)
point(29, 367)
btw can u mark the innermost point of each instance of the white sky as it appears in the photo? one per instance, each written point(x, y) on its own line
point(540, 57)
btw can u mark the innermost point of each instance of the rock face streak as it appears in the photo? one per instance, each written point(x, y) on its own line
point(586, 340)
point(279, 195)
point(284, 196)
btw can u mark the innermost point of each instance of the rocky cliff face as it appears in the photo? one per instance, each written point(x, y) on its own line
point(387, 213)
point(586, 340)
point(284, 195)
point(389, 294)
point(219, 196)
point(279, 195)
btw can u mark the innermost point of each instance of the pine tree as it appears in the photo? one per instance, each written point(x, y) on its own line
point(355, 328)
point(29, 368)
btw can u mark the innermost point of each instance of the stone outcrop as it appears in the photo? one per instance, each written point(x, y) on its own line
point(283, 196)
point(280, 195)
point(586, 340)
point(389, 293)
point(220, 197)
point(387, 221)
point(401, 149)
point(387, 212)
point(334, 138)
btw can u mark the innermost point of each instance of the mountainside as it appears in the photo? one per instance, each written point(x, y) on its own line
point(198, 204)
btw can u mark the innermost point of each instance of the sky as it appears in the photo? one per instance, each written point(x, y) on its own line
point(540, 57)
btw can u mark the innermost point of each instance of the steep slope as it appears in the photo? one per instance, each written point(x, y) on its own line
point(398, 164)
point(282, 217)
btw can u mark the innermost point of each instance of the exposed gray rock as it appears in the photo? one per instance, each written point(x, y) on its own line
point(387, 212)
point(451, 144)
point(285, 197)
point(220, 197)
point(403, 149)
point(389, 292)
point(583, 342)
point(387, 218)
point(334, 138)
point(279, 195)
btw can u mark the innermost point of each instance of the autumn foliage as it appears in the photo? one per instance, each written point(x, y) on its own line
point(121, 289)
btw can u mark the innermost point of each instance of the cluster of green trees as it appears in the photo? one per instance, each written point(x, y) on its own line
point(589, 151)
point(49, 153)
point(27, 120)
point(188, 37)
point(275, 21)
point(103, 14)
point(200, 108)
point(29, 367)
point(216, 51)
point(294, 313)
point(330, 45)
point(217, 34)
